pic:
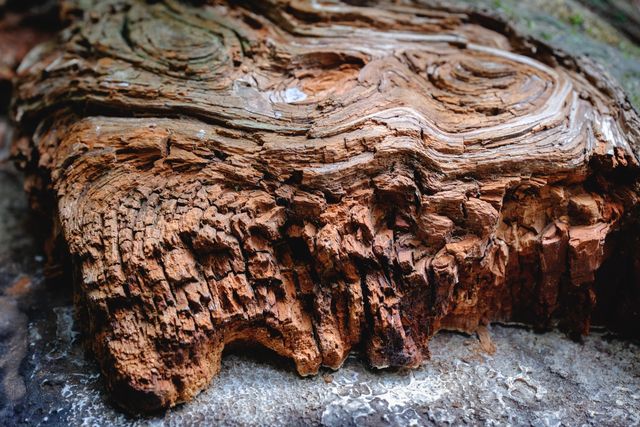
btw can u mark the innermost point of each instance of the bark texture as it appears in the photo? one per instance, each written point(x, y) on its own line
point(322, 177)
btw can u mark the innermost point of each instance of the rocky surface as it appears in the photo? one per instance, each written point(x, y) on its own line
point(573, 27)
point(47, 359)
point(532, 379)
point(623, 14)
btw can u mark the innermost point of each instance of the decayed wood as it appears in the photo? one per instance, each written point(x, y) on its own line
point(21, 28)
point(322, 177)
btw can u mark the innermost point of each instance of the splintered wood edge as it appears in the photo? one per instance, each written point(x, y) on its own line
point(318, 177)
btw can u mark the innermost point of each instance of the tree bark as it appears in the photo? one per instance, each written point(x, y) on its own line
point(323, 177)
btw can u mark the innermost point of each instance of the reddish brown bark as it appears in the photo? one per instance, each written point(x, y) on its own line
point(319, 177)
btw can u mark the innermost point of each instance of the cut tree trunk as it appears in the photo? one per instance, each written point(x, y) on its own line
point(322, 177)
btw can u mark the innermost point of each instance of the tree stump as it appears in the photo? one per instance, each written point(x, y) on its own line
point(322, 177)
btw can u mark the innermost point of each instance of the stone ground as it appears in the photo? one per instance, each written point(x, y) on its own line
point(532, 379)
point(570, 25)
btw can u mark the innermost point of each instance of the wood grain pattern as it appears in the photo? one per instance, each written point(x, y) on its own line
point(319, 177)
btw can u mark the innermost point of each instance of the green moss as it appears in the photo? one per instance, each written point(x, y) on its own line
point(576, 20)
point(621, 17)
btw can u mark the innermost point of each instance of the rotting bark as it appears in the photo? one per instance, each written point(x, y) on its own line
point(325, 177)
point(21, 28)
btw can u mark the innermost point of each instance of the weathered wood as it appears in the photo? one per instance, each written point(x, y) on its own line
point(319, 177)
point(21, 28)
